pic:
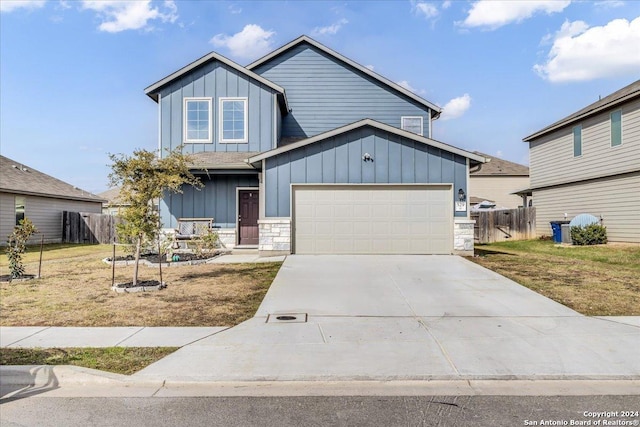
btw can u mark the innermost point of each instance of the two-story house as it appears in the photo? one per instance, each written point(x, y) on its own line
point(589, 162)
point(305, 151)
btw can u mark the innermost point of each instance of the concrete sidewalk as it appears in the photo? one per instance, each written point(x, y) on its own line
point(59, 337)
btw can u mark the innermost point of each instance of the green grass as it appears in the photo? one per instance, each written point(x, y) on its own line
point(119, 360)
point(601, 280)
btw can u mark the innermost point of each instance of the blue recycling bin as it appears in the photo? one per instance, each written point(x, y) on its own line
point(556, 228)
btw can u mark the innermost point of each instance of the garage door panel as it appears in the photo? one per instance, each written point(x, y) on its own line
point(372, 219)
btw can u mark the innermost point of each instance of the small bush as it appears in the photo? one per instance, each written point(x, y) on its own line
point(17, 245)
point(592, 234)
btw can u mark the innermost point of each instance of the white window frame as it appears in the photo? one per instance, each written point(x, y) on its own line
point(413, 117)
point(185, 137)
point(222, 140)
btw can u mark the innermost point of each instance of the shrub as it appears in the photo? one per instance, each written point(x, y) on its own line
point(592, 234)
point(17, 245)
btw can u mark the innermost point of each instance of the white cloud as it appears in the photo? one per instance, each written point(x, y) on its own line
point(456, 107)
point(249, 43)
point(499, 153)
point(426, 10)
point(11, 5)
point(331, 29)
point(130, 15)
point(234, 10)
point(494, 14)
point(370, 67)
point(581, 53)
point(609, 4)
point(405, 84)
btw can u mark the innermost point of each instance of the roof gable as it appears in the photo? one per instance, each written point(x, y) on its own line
point(20, 179)
point(435, 110)
point(153, 90)
point(377, 125)
point(618, 97)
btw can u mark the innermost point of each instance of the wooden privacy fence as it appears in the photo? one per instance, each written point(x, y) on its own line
point(84, 227)
point(508, 224)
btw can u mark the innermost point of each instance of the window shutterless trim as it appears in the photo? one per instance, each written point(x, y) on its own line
point(577, 141)
point(185, 129)
point(402, 126)
point(611, 130)
point(221, 137)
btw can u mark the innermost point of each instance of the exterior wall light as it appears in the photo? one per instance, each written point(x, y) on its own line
point(461, 195)
point(367, 157)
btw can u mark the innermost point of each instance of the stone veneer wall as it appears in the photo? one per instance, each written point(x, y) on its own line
point(275, 237)
point(227, 237)
point(463, 236)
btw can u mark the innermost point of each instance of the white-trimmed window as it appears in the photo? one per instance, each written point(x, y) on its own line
point(412, 124)
point(233, 120)
point(197, 120)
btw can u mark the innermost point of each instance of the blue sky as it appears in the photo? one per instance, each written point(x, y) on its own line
point(72, 73)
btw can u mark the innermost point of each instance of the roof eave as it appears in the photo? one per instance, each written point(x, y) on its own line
point(435, 110)
point(153, 90)
point(564, 122)
point(475, 159)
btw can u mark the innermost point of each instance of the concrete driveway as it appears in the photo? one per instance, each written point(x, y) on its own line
point(405, 317)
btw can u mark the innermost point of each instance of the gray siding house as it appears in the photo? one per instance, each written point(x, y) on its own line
point(589, 162)
point(306, 151)
point(26, 192)
point(497, 181)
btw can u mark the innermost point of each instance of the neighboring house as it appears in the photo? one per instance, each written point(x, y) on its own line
point(26, 192)
point(305, 151)
point(497, 180)
point(112, 204)
point(589, 162)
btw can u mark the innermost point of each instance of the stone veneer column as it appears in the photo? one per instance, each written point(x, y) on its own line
point(227, 236)
point(275, 237)
point(463, 236)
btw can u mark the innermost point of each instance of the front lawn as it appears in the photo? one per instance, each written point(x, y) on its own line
point(601, 280)
point(75, 290)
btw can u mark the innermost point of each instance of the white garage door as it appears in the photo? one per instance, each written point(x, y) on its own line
point(372, 219)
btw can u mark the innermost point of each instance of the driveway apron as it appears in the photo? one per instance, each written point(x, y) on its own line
point(405, 317)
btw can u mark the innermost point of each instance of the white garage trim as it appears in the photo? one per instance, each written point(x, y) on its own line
point(372, 218)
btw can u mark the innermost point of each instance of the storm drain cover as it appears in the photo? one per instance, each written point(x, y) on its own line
point(287, 318)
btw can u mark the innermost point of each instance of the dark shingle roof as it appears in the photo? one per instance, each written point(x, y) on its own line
point(625, 94)
point(498, 167)
point(221, 160)
point(21, 179)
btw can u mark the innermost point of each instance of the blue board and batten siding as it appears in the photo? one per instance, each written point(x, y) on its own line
point(396, 160)
point(217, 199)
point(215, 80)
point(324, 94)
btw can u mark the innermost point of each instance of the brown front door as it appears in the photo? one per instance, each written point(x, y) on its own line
point(248, 218)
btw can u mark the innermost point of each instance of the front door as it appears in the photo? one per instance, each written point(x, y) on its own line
point(248, 217)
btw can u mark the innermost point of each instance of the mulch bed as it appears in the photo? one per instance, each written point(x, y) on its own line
point(155, 258)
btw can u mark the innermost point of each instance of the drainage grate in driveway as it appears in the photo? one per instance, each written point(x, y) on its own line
point(287, 318)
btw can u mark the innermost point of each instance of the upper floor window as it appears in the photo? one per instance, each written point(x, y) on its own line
point(577, 141)
point(412, 124)
point(233, 120)
point(197, 120)
point(616, 128)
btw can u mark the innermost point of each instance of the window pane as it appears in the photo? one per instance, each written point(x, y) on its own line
point(616, 128)
point(197, 124)
point(577, 141)
point(233, 119)
point(412, 124)
point(19, 209)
